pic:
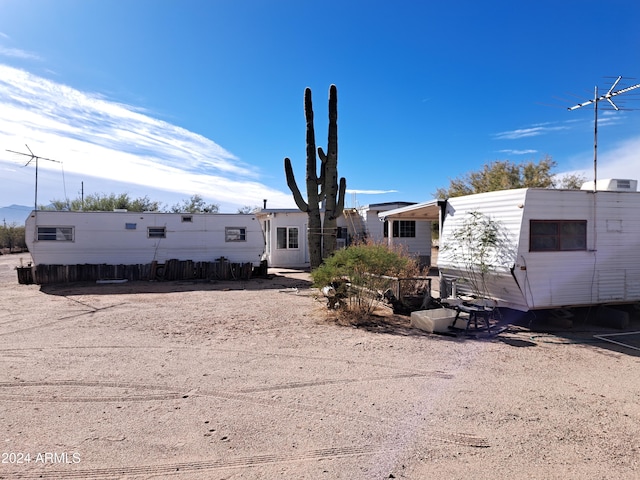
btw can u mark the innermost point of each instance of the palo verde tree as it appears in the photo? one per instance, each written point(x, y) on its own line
point(504, 174)
point(320, 188)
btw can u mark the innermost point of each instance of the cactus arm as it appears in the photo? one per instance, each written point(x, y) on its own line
point(323, 174)
point(293, 186)
point(341, 194)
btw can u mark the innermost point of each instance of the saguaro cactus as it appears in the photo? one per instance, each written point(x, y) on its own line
point(323, 188)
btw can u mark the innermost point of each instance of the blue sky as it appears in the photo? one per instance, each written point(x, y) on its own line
point(171, 98)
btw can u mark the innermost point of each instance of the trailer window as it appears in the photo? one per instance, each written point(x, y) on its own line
point(557, 235)
point(401, 228)
point(235, 234)
point(157, 232)
point(287, 237)
point(56, 234)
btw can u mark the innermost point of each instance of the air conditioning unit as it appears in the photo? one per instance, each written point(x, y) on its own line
point(612, 185)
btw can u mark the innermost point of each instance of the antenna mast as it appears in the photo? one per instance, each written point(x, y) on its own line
point(30, 154)
point(596, 99)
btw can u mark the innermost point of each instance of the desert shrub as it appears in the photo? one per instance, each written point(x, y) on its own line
point(12, 237)
point(362, 273)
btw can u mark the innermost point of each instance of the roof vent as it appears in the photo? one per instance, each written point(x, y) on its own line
point(613, 185)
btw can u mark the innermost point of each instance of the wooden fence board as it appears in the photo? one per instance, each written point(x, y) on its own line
point(171, 270)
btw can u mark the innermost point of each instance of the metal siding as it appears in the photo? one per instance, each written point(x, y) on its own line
point(608, 271)
point(501, 206)
point(101, 237)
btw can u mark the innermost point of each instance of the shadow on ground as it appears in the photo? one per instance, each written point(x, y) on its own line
point(518, 329)
point(276, 280)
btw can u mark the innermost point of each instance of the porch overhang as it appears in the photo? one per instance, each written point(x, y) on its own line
point(427, 211)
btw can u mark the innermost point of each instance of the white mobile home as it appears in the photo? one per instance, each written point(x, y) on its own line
point(128, 238)
point(286, 232)
point(558, 248)
point(412, 234)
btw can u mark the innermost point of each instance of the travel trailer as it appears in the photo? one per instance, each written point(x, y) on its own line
point(551, 249)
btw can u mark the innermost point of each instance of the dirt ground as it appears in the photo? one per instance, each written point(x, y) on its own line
point(253, 380)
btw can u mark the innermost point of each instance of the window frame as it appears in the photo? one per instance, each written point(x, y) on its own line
point(67, 233)
point(288, 238)
point(561, 241)
point(401, 229)
point(156, 232)
point(228, 234)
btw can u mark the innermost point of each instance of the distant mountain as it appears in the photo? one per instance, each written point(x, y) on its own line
point(14, 214)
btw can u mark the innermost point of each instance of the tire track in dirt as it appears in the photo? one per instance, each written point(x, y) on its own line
point(40, 326)
point(316, 383)
point(254, 353)
point(463, 439)
point(165, 393)
point(203, 466)
point(244, 462)
point(148, 392)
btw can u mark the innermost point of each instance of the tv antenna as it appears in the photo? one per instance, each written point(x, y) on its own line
point(36, 158)
point(595, 101)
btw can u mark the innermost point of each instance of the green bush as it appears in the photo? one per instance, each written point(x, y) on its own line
point(361, 274)
point(357, 260)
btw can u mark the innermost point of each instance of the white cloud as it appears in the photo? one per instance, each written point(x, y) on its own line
point(621, 161)
point(112, 141)
point(517, 152)
point(371, 192)
point(610, 117)
point(533, 131)
point(17, 53)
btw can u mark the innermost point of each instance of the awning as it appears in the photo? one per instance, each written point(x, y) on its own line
point(429, 211)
